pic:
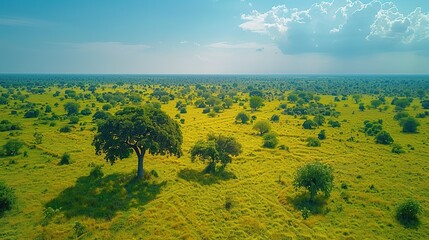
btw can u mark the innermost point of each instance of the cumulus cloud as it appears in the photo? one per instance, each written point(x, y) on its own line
point(342, 27)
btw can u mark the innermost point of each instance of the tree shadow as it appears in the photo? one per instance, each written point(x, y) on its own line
point(413, 223)
point(301, 202)
point(205, 178)
point(103, 197)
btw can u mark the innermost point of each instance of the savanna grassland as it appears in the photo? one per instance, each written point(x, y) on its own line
point(254, 198)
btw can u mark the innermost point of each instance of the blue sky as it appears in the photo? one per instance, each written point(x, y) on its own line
point(214, 36)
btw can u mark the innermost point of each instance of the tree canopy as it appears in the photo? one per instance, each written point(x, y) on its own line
point(139, 129)
point(315, 177)
point(256, 102)
point(217, 148)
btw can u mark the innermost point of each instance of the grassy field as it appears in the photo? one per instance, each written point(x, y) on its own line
point(179, 205)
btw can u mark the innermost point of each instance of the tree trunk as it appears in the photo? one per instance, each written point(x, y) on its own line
point(140, 172)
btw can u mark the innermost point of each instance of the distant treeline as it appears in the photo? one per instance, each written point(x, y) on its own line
point(387, 85)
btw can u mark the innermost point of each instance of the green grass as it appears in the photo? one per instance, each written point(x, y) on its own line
point(183, 203)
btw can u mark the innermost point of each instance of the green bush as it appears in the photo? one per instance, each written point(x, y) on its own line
point(406, 212)
point(65, 129)
point(7, 198)
point(309, 124)
point(74, 119)
point(65, 159)
point(396, 148)
point(270, 140)
point(275, 118)
point(313, 142)
point(383, 137)
point(314, 177)
point(322, 135)
point(409, 125)
point(12, 147)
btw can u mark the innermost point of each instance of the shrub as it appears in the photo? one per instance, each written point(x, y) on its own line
point(100, 115)
point(284, 147)
point(313, 142)
point(322, 135)
point(383, 137)
point(396, 148)
point(12, 147)
point(74, 119)
point(309, 124)
point(32, 113)
point(334, 124)
point(406, 212)
point(319, 120)
point(38, 137)
point(243, 117)
point(65, 129)
point(183, 110)
point(96, 171)
point(409, 125)
point(7, 198)
point(270, 140)
point(65, 159)
point(400, 115)
point(275, 118)
point(314, 177)
point(86, 112)
point(217, 108)
point(262, 127)
point(372, 128)
point(107, 107)
point(206, 110)
point(72, 108)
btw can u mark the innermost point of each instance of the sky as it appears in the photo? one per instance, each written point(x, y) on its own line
point(215, 36)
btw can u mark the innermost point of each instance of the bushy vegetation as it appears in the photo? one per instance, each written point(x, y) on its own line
point(12, 147)
point(314, 177)
point(407, 212)
point(384, 137)
point(270, 140)
point(7, 198)
point(313, 142)
point(262, 126)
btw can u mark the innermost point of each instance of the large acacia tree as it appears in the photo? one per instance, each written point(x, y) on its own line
point(140, 129)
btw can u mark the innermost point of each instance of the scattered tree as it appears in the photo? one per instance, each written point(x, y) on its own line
point(217, 148)
point(262, 127)
point(322, 135)
point(139, 129)
point(38, 137)
point(242, 117)
point(309, 124)
point(270, 140)
point(72, 108)
point(383, 137)
point(409, 125)
point(256, 102)
point(65, 159)
point(275, 118)
point(12, 147)
point(7, 198)
point(313, 142)
point(315, 177)
point(406, 212)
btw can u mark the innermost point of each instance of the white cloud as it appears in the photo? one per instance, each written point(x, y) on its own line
point(249, 45)
point(344, 27)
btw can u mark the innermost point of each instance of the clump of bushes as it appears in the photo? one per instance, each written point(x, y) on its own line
point(372, 128)
point(396, 148)
point(313, 142)
point(270, 140)
point(65, 129)
point(384, 137)
point(322, 135)
point(12, 147)
point(7, 198)
point(406, 212)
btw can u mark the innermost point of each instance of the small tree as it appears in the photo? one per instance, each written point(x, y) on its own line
point(72, 108)
point(384, 137)
point(270, 140)
point(309, 124)
point(319, 120)
point(275, 118)
point(409, 125)
point(164, 99)
point(217, 148)
point(38, 137)
point(314, 177)
point(7, 198)
point(256, 102)
point(313, 142)
point(65, 159)
point(322, 135)
point(243, 117)
point(262, 127)
point(12, 147)
point(140, 129)
point(406, 212)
